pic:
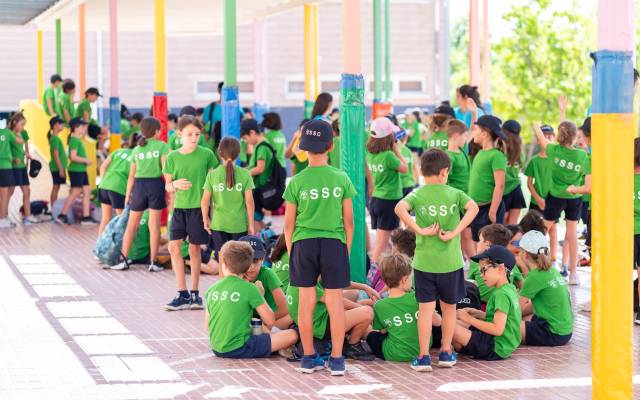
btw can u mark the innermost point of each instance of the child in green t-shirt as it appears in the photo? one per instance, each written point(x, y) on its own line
point(494, 234)
point(230, 304)
point(67, 110)
point(50, 102)
point(494, 334)
point(298, 158)
point(58, 157)
point(438, 258)
point(549, 318)
point(515, 277)
point(185, 172)
point(513, 198)
point(133, 133)
point(438, 124)
point(113, 185)
point(272, 125)
point(279, 258)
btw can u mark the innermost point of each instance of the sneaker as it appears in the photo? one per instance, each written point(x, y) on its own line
point(311, 364)
point(574, 280)
point(358, 351)
point(30, 219)
point(155, 268)
point(124, 265)
point(5, 223)
point(564, 271)
point(421, 364)
point(195, 302)
point(447, 360)
point(62, 219)
point(585, 307)
point(44, 218)
point(288, 352)
point(636, 320)
point(87, 221)
point(179, 303)
point(336, 366)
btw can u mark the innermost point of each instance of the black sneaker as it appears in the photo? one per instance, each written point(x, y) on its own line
point(179, 303)
point(636, 320)
point(87, 221)
point(359, 351)
point(62, 219)
point(195, 302)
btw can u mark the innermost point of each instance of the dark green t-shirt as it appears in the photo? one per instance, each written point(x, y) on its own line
point(460, 168)
point(481, 179)
point(399, 317)
point(386, 178)
point(116, 176)
point(76, 144)
point(194, 167)
point(505, 299)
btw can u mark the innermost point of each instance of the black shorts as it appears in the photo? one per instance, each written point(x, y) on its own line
point(7, 178)
point(447, 287)
point(537, 333)
point(482, 219)
point(514, 200)
point(417, 150)
point(324, 257)
point(586, 218)
point(258, 346)
point(21, 177)
point(636, 251)
point(407, 190)
point(219, 238)
point(56, 179)
point(533, 206)
point(375, 340)
point(78, 179)
point(383, 215)
point(480, 347)
point(148, 193)
point(187, 223)
point(111, 198)
point(554, 206)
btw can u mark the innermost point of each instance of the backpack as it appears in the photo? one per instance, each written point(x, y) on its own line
point(374, 278)
point(37, 207)
point(271, 193)
point(471, 298)
point(108, 247)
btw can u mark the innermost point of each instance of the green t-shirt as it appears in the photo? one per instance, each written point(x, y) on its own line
point(281, 268)
point(298, 166)
point(17, 151)
point(442, 204)
point(569, 167)
point(229, 210)
point(130, 131)
point(439, 140)
point(85, 106)
point(175, 142)
point(505, 299)
point(515, 275)
point(277, 140)
point(116, 176)
point(194, 167)
point(6, 143)
point(539, 169)
point(636, 204)
point(141, 242)
point(399, 317)
point(586, 198)
point(512, 176)
point(270, 282)
point(148, 159)
point(55, 143)
point(76, 144)
point(334, 155)
point(551, 300)
point(481, 180)
point(415, 141)
point(243, 152)
point(460, 169)
point(406, 179)
point(124, 128)
point(318, 193)
point(50, 93)
point(386, 178)
point(320, 313)
point(261, 152)
point(474, 274)
point(66, 104)
point(230, 303)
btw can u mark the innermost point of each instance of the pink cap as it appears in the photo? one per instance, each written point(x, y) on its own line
point(382, 127)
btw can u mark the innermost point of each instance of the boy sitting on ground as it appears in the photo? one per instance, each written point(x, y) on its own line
point(230, 303)
point(494, 234)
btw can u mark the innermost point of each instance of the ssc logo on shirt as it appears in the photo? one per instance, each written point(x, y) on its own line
point(557, 282)
point(435, 211)
point(280, 140)
point(376, 168)
point(325, 193)
point(636, 196)
point(567, 164)
point(225, 295)
point(399, 320)
point(280, 266)
point(439, 143)
point(3, 139)
point(290, 300)
point(221, 187)
point(123, 156)
point(148, 155)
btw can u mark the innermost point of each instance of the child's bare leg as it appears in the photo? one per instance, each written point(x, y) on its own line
point(448, 325)
point(468, 248)
point(306, 305)
point(335, 307)
point(130, 232)
point(382, 241)
point(154, 233)
point(210, 268)
point(572, 238)
point(106, 217)
point(461, 337)
point(511, 218)
point(177, 263)
point(357, 321)
point(350, 294)
point(4, 202)
point(523, 331)
point(425, 319)
point(283, 339)
point(54, 194)
point(86, 201)
point(73, 193)
point(194, 258)
point(553, 238)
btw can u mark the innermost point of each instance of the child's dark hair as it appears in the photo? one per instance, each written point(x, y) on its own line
point(304, 121)
point(514, 229)
point(438, 122)
point(496, 234)
point(15, 118)
point(394, 267)
point(376, 145)
point(533, 221)
point(199, 111)
point(514, 148)
point(567, 132)
point(236, 256)
point(172, 117)
point(433, 161)
point(498, 143)
point(68, 85)
point(335, 126)
point(148, 128)
point(321, 105)
point(455, 127)
point(473, 93)
point(404, 240)
point(636, 152)
point(187, 120)
point(137, 116)
point(279, 248)
point(271, 121)
point(229, 149)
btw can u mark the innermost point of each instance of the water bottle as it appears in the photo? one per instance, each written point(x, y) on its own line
point(256, 326)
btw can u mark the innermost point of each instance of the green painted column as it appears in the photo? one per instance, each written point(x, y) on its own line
point(377, 50)
point(387, 52)
point(230, 50)
point(58, 46)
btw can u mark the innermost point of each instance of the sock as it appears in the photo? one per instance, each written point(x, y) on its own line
point(195, 292)
point(184, 294)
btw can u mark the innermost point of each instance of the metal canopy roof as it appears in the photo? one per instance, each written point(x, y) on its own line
point(19, 12)
point(181, 16)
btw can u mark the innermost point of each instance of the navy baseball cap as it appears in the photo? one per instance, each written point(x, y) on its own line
point(316, 136)
point(497, 255)
point(55, 120)
point(493, 124)
point(75, 122)
point(586, 126)
point(446, 110)
point(188, 110)
point(248, 125)
point(93, 90)
point(512, 126)
point(257, 245)
point(547, 129)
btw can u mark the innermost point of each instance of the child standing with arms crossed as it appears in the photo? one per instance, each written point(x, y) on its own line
point(185, 173)
point(318, 230)
point(145, 190)
point(438, 258)
point(58, 161)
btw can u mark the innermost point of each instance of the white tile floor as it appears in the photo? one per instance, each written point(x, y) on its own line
point(93, 326)
point(73, 290)
point(111, 344)
point(71, 309)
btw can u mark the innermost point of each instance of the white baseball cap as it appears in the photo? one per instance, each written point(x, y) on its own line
point(534, 242)
point(382, 127)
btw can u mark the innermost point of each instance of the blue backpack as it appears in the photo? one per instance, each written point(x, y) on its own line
point(108, 247)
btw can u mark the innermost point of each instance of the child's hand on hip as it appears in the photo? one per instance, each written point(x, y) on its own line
point(430, 230)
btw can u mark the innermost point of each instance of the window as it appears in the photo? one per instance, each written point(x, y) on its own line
point(330, 86)
point(410, 86)
point(206, 88)
point(294, 87)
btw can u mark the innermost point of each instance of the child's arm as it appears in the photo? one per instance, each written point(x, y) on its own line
point(50, 106)
point(290, 224)
point(204, 207)
point(258, 169)
point(563, 104)
point(347, 217)
point(73, 156)
point(56, 157)
point(369, 177)
point(372, 293)
point(103, 167)
point(540, 136)
point(281, 303)
point(350, 305)
point(584, 189)
point(288, 152)
point(26, 149)
point(471, 210)
point(206, 320)
point(416, 174)
point(248, 201)
point(402, 211)
point(266, 315)
point(18, 138)
point(498, 191)
point(534, 193)
point(402, 168)
point(130, 180)
point(495, 328)
point(67, 116)
point(526, 306)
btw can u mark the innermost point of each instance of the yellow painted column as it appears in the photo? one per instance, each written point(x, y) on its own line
point(315, 42)
point(308, 62)
point(40, 69)
point(161, 48)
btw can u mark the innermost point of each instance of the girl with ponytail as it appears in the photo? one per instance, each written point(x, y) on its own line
point(469, 105)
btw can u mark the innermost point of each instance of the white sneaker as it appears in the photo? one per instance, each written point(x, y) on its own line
point(44, 218)
point(586, 307)
point(5, 223)
point(574, 280)
point(155, 268)
point(30, 219)
point(120, 267)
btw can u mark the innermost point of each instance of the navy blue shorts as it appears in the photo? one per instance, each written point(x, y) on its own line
point(407, 190)
point(375, 340)
point(480, 346)
point(554, 206)
point(537, 333)
point(148, 193)
point(417, 150)
point(21, 176)
point(586, 218)
point(447, 287)
point(383, 215)
point(111, 198)
point(7, 178)
point(482, 219)
point(219, 238)
point(319, 257)
point(56, 179)
point(78, 179)
point(258, 346)
point(636, 251)
point(514, 200)
point(187, 223)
